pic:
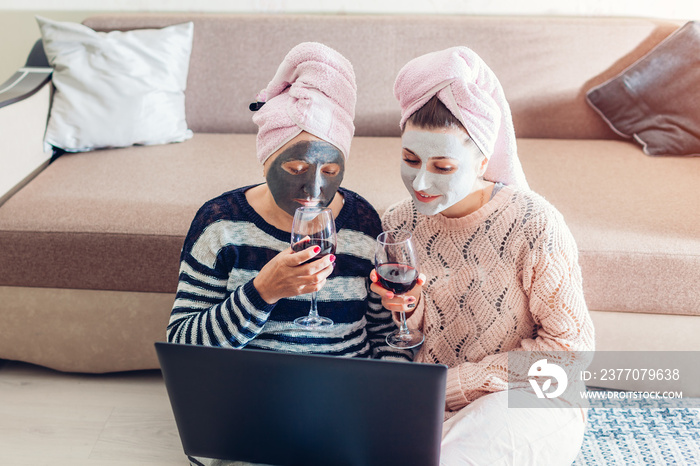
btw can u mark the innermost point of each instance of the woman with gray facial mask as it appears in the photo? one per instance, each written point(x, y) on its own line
point(500, 268)
point(241, 285)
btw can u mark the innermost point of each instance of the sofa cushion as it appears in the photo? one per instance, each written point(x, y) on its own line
point(635, 220)
point(116, 89)
point(116, 220)
point(656, 100)
point(543, 63)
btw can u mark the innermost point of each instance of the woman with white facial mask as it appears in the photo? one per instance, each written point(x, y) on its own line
point(241, 285)
point(500, 273)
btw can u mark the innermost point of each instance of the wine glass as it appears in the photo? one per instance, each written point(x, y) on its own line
point(314, 226)
point(396, 264)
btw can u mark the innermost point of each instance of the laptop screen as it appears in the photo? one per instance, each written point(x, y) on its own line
point(291, 409)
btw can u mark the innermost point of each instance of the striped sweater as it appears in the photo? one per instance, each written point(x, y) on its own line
point(217, 305)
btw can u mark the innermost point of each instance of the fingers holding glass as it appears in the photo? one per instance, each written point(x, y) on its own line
point(314, 228)
point(396, 272)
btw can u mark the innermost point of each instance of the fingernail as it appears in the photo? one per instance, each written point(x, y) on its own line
point(411, 299)
point(317, 249)
point(390, 295)
point(332, 256)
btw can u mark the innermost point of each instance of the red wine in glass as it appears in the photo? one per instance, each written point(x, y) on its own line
point(327, 247)
point(396, 277)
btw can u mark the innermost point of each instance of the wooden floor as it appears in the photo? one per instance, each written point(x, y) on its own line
point(58, 419)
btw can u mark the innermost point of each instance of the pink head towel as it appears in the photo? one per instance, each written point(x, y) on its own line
point(470, 90)
point(313, 90)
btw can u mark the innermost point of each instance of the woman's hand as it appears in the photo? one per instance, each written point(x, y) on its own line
point(289, 274)
point(406, 302)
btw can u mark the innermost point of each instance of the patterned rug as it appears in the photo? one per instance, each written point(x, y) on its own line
point(654, 434)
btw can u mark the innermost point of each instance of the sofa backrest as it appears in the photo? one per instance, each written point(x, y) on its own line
point(545, 64)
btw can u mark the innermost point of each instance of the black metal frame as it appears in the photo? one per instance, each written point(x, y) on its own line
point(26, 81)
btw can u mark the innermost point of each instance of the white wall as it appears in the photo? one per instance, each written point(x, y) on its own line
point(675, 9)
point(18, 29)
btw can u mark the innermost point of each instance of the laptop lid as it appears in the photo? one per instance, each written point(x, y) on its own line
point(291, 409)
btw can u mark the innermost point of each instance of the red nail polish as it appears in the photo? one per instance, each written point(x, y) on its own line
point(332, 257)
point(317, 249)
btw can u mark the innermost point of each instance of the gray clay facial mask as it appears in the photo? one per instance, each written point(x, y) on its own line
point(307, 173)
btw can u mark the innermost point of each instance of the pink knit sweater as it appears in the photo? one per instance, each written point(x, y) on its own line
point(504, 278)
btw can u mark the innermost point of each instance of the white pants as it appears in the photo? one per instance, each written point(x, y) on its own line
point(487, 432)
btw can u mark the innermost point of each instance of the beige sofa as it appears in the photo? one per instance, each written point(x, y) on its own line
point(89, 248)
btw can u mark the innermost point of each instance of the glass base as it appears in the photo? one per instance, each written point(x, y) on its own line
point(410, 339)
point(313, 322)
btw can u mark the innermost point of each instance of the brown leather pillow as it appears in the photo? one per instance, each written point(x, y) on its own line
point(656, 101)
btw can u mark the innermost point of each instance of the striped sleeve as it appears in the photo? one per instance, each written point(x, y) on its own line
point(379, 325)
point(205, 311)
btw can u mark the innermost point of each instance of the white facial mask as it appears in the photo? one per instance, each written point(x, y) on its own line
point(450, 188)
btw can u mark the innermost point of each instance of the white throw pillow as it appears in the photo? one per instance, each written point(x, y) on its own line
point(116, 89)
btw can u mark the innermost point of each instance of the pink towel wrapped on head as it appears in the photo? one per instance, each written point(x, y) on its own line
point(313, 90)
point(470, 90)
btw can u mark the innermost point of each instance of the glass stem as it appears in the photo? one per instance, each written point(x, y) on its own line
point(404, 326)
point(314, 310)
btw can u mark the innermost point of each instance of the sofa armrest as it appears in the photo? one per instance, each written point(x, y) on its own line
point(24, 83)
point(24, 109)
point(28, 80)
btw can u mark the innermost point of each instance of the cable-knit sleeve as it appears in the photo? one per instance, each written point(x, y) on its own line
point(552, 281)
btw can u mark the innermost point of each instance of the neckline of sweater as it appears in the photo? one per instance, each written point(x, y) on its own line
point(477, 217)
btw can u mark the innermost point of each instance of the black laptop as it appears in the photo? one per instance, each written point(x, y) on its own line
point(291, 409)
